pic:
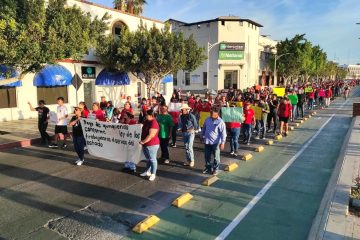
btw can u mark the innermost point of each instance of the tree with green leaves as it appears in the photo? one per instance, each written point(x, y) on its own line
point(150, 54)
point(33, 35)
point(131, 6)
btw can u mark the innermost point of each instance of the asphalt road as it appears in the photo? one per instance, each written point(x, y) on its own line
point(44, 196)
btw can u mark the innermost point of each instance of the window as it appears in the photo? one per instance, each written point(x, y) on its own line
point(50, 94)
point(8, 97)
point(205, 78)
point(187, 79)
point(175, 80)
point(223, 23)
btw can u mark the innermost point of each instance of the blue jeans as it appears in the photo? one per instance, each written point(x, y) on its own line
point(189, 142)
point(150, 153)
point(79, 144)
point(212, 150)
point(247, 132)
point(294, 112)
point(234, 139)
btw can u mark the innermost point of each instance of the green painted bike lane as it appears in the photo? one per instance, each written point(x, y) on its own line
point(287, 209)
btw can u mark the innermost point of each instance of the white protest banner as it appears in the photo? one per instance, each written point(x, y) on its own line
point(174, 107)
point(116, 142)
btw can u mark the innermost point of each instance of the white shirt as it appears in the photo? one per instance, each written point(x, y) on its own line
point(61, 115)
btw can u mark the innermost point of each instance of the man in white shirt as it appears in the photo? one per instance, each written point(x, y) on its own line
point(61, 125)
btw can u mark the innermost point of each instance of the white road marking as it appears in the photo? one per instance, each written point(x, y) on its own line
point(226, 232)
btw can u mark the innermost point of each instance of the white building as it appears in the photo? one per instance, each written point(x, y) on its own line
point(13, 101)
point(267, 48)
point(353, 71)
point(233, 47)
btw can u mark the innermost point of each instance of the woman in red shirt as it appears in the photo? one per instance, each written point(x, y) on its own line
point(150, 141)
point(284, 113)
point(97, 113)
point(85, 111)
point(249, 121)
point(123, 115)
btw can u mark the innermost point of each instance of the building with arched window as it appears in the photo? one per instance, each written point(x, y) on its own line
point(86, 80)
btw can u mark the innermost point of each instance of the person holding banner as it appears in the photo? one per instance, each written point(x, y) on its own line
point(166, 124)
point(249, 121)
point(188, 125)
point(78, 136)
point(150, 142)
point(234, 129)
point(214, 136)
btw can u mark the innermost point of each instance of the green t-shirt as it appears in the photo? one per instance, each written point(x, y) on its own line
point(165, 123)
point(293, 99)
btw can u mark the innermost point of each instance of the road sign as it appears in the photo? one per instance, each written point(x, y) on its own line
point(76, 82)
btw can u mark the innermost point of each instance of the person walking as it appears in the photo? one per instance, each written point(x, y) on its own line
point(328, 96)
point(61, 125)
point(166, 124)
point(43, 118)
point(214, 135)
point(294, 101)
point(78, 136)
point(150, 142)
point(249, 121)
point(265, 109)
point(284, 113)
point(301, 102)
point(234, 130)
point(273, 117)
point(188, 125)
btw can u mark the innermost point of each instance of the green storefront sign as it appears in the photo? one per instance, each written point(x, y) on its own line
point(88, 72)
point(231, 55)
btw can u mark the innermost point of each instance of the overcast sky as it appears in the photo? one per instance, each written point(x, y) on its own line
point(329, 23)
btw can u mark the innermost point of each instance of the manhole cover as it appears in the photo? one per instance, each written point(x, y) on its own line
point(3, 133)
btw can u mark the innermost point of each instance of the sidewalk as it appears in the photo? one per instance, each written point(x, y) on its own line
point(20, 133)
point(336, 222)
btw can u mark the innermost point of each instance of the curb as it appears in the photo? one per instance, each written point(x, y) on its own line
point(21, 143)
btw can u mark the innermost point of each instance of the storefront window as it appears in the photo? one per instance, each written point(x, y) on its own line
point(50, 94)
point(8, 97)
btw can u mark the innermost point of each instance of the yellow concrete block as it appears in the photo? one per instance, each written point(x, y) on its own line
point(247, 157)
point(296, 124)
point(309, 116)
point(146, 224)
point(210, 180)
point(278, 137)
point(291, 128)
point(231, 167)
point(182, 200)
point(270, 142)
point(313, 113)
point(259, 149)
point(305, 118)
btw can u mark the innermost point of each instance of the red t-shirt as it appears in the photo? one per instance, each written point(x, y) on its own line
point(191, 103)
point(328, 93)
point(233, 125)
point(124, 111)
point(284, 110)
point(146, 130)
point(206, 107)
point(99, 115)
point(311, 95)
point(86, 113)
point(132, 121)
point(249, 116)
point(175, 116)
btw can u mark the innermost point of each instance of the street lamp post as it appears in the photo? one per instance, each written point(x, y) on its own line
point(277, 58)
point(210, 46)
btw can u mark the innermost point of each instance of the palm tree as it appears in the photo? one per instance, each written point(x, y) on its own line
point(131, 6)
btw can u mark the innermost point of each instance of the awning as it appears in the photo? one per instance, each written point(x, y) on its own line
point(6, 73)
point(53, 75)
point(168, 79)
point(109, 78)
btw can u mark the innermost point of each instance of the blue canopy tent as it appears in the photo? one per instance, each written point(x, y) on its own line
point(110, 78)
point(53, 75)
point(168, 79)
point(7, 72)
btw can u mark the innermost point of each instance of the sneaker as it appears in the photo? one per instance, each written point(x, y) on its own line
point(235, 154)
point(152, 177)
point(64, 146)
point(145, 174)
point(232, 153)
point(166, 161)
point(192, 164)
point(53, 145)
point(248, 143)
point(173, 145)
point(206, 171)
point(85, 148)
point(80, 163)
point(79, 160)
point(215, 172)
